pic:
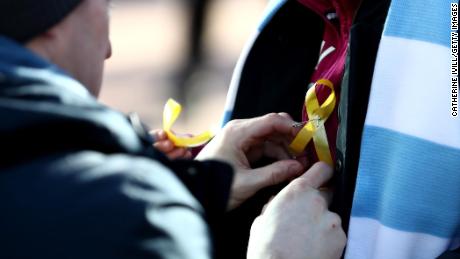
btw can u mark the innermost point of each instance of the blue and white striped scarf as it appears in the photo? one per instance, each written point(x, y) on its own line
point(407, 199)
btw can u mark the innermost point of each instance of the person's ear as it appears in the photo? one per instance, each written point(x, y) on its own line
point(49, 44)
point(52, 34)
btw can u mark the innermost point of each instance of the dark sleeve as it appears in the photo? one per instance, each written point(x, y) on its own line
point(451, 255)
point(171, 223)
point(209, 182)
point(89, 205)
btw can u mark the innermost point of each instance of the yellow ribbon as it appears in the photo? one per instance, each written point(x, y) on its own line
point(171, 112)
point(314, 129)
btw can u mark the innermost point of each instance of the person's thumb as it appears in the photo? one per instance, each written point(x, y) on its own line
point(277, 173)
point(318, 175)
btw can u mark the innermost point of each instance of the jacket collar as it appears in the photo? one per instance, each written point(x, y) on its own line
point(44, 111)
point(19, 65)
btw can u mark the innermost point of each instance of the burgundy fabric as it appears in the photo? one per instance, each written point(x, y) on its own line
point(336, 34)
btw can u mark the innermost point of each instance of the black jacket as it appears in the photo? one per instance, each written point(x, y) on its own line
point(79, 180)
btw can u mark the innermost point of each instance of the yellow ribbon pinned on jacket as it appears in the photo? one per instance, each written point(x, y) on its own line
point(171, 112)
point(314, 129)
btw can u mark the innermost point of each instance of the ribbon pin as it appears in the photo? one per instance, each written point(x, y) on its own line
point(314, 129)
point(171, 112)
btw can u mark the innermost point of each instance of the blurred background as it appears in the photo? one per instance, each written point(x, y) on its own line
point(161, 52)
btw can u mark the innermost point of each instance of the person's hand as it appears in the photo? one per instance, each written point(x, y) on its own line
point(296, 224)
point(163, 144)
point(243, 142)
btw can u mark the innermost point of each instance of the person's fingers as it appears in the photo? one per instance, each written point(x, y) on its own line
point(188, 154)
point(333, 220)
point(334, 224)
point(275, 173)
point(270, 150)
point(262, 127)
point(162, 134)
point(327, 194)
point(276, 151)
point(164, 146)
point(303, 159)
point(318, 175)
point(285, 115)
point(154, 134)
point(280, 139)
point(177, 153)
point(159, 135)
point(275, 146)
point(266, 205)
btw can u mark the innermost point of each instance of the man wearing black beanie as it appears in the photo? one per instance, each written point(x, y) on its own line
point(80, 43)
point(79, 180)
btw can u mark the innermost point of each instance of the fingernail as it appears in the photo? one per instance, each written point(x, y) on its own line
point(324, 166)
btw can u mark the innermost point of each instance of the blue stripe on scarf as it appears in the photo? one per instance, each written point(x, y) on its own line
point(408, 183)
point(424, 20)
point(226, 118)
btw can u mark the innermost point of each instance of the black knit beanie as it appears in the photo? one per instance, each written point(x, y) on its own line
point(22, 20)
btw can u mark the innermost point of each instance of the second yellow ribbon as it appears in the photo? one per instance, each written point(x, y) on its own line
point(171, 112)
point(314, 129)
